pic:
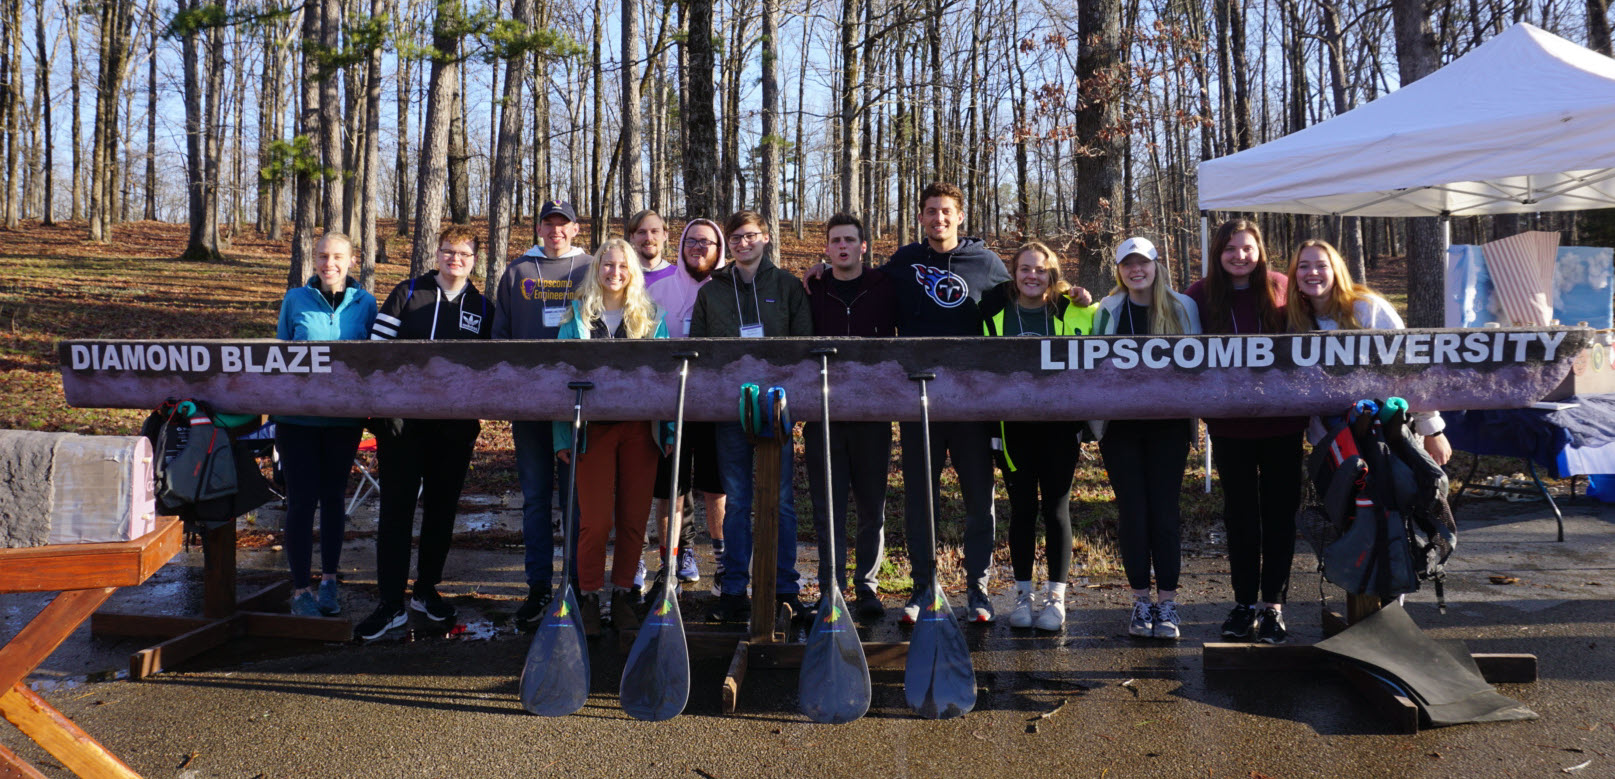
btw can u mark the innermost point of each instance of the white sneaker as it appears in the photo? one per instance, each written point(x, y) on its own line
point(1021, 617)
point(1166, 620)
point(1052, 617)
point(1143, 624)
point(911, 611)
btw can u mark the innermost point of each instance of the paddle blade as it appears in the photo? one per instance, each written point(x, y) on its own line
point(939, 681)
point(835, 674)
point(555, 678)
point(656, 678)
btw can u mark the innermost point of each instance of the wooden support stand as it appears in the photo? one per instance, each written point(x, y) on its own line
point(764, 644)
point(224, 617)
point(86, 575)
point(1399, 711)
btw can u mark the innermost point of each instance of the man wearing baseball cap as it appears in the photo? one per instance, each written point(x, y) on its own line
point(533, 294)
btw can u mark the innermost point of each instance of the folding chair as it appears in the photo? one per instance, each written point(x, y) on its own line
point(367, 481)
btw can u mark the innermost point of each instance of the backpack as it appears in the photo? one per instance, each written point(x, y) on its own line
point(1379, 517)
point(201, 476)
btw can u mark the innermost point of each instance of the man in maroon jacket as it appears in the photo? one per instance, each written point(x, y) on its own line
point(859, 301)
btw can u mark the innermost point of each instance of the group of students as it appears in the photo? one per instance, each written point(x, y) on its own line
point(722, 282)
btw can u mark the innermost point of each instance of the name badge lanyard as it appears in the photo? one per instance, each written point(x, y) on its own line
point(749, 331)
point(552, 316)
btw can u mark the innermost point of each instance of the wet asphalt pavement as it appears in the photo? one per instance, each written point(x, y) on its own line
point(435, 707)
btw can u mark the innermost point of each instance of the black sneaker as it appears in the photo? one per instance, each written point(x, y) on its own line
point(1272, 630)
point(532, 610)
point(1239, 623)
point(589, 614)
point(428, 602)
point(386, 617)
point(732, 608)
point(868, 607)
point(624, 609)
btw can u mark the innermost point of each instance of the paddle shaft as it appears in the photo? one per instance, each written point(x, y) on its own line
point(925, 441)
point(572, 479)
point(674, 515)
point(829, 539)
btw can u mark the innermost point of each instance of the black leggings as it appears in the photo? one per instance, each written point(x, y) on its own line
point(1045, 458)
point(316, 460)
point(1145, 461)
point(424, 461)
point(1261, 488)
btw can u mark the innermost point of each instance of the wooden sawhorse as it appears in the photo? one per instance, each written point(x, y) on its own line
point(86, 575)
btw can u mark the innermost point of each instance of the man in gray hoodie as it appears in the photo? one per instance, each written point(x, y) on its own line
point(532, 296)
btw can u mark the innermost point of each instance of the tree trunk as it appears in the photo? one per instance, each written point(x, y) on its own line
point(597, 119)
point(798, 151)
point(13, 86)
point(434, 169)
point(768, 198)
point(507, 159)
point(306, 209)
point(42, 88)
point(116, 17)
point(370, 195)
point(402, 203)
point(1417, 56)
point(1598, 27)
point(459, 158)
point(851, 111)
point(1099, 126)
point(633, 174)
point(201, 109)
point(1235, 14)
point(330, 109)
point(701, 124)
point(70, 18)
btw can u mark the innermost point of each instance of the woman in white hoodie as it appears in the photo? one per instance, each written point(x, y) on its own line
point(1145, 457)
point(1322, 296)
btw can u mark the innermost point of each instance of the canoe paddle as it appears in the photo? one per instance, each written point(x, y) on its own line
point(555, 679)
point(656, 678)
point(835, 673)
point(939, 680)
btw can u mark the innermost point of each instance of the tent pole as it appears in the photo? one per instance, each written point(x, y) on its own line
point(1205, 267)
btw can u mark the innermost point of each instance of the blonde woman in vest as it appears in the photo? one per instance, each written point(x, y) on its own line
point(1037, 456)
point(1145, 457)
point(616, 461)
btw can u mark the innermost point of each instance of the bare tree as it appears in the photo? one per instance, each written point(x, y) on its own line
point(507, 157)
point(633, 175)
point(42, 90)
point(1417, 56)
point(116, 17)
point(434, 170)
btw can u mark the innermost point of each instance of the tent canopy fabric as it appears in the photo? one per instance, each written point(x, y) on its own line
point(1524, 122)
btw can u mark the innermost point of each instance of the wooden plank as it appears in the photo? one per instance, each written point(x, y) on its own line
point(77, 566)
point(765, 499)
point(267, 598)
point(1116, 377)
point(219, 571)
point(12, 766)
point(701, 643)
point(1398, 711)
point(266, 625)
point(735, 677)
point(46, 631)
point(61, 737)
point(1264, 657)
point(1333, 623)
point(152, 660)
point(1358, 607)
point(879, 654)
point(1507, 668)
point(103, 623)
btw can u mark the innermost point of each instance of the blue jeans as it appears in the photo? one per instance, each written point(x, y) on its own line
point(735, 455)
point(539, 476)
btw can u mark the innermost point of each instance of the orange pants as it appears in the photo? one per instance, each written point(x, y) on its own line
point(615, 478)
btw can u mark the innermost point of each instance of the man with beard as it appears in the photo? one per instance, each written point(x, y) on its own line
point(674, 287)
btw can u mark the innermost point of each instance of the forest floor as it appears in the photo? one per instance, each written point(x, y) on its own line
point(55, 285)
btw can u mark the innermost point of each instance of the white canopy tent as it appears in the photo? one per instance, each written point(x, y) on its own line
point(1524, 122)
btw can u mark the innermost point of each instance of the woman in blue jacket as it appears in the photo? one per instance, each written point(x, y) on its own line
point(616, 461)
point(316, 453)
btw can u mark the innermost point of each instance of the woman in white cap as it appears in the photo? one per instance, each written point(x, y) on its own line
point(1145, 457)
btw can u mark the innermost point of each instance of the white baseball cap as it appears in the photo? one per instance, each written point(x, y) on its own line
point(1136, 245)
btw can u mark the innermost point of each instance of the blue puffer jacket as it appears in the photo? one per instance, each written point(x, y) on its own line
point(305, 315)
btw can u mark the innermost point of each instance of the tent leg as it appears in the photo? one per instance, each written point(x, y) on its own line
point(1205, 268)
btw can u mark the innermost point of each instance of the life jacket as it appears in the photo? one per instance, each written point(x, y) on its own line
point(1379, 516)
point(202, 477)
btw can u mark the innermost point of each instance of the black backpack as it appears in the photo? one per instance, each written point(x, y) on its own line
point(1379, 517)
point(201, 475)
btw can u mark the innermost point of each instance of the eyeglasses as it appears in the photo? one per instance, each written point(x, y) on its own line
point(696, 243)
point(459, 255)
point(739, 238)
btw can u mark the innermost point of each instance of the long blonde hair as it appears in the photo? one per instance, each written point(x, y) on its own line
point(639, 314)
point(1341, 302)
point(1166, 313)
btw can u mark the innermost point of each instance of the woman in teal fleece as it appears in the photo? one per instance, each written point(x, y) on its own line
point(316, 453)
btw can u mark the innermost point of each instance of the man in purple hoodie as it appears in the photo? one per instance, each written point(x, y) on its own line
point(858, 301)
point(674, 287)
